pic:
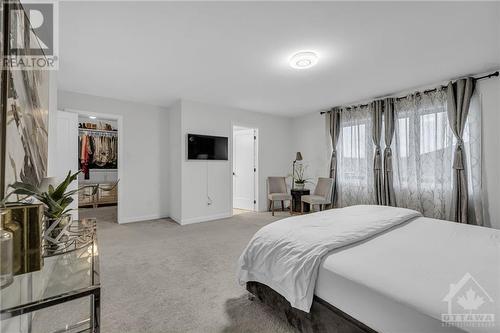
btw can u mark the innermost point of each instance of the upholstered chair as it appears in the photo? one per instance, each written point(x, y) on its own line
point(277, 191)
point(322, 194)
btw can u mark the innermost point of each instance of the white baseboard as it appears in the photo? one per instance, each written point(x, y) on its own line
point(177, 220)
point(141, 218)
point(205, 218)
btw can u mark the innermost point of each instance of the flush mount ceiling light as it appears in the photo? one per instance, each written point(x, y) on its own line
point(92, 117)
point(303, 59)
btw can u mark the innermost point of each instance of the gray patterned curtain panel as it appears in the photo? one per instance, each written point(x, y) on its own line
point(388, 189)
point(459, 98)
point(333, 119)
point(376, 114)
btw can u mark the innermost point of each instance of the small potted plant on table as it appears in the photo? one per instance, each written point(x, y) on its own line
point(299, 179)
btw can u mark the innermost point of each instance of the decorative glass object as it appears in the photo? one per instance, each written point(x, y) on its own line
point(67, 280)
point(71, 236)
point(56, 234)
point(14, 227)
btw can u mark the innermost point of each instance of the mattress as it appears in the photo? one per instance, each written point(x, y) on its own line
point(399, 281)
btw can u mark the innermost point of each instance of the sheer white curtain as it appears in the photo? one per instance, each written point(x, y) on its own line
point(473, 148)
point(423, 151)
point(423, 155)
point(423, 146)
point(355, 162)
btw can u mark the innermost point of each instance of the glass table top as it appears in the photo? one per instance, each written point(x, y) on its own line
point(61, 274)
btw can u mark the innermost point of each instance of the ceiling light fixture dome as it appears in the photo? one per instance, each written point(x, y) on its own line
point(303, 59)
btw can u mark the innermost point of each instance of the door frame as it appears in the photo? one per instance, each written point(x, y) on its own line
point(56, 171)
point(256, 164)
point(119, 120)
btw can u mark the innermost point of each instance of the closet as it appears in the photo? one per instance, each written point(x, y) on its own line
point(98, 161)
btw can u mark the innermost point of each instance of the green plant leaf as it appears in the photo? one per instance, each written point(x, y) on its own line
point(51, 190)
point(24, 189)
point(61, 189)
point(53, 208)
point(64, 202)
point(67, 211)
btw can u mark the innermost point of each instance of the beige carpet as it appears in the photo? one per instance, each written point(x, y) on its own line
point(158, 276)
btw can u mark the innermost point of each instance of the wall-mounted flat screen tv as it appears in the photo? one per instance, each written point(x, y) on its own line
point(206, 147)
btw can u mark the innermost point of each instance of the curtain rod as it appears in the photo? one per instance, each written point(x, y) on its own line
point(494, 74)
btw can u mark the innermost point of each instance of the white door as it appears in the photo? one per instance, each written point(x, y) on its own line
point(67, 151)
point(244, 169)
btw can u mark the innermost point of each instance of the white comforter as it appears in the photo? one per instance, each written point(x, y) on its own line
point(285, 255)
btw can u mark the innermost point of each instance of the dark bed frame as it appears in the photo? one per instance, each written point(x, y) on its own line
point(323, 317)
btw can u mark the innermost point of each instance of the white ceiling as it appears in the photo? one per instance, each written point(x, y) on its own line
point(235, 53)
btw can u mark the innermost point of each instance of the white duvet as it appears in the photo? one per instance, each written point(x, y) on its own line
point(285, 255)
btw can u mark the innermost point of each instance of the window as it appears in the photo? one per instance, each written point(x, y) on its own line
point(423, 153)
point(355, 157)
point(433, 127)
point(423, 150)
point(354, 142)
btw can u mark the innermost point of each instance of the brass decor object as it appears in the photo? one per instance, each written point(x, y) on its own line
point(24, 221)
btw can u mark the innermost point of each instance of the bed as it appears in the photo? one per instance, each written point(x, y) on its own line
point(396, 278)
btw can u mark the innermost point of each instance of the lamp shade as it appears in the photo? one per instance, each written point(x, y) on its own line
point(298, 157)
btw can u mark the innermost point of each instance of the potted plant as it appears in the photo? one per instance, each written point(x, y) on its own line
point(56, 202)
point(299, 178)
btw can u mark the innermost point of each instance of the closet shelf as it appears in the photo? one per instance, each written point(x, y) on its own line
point(97, 131)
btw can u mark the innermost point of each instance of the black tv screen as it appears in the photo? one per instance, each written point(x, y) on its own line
point(206, 147)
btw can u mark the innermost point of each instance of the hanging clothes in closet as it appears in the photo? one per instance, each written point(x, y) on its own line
point(97, 150)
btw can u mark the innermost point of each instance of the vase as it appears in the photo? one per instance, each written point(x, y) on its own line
point(299, 186)
point(6, 257)
point(56, 234)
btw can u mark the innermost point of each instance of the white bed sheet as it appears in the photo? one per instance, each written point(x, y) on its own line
point(396, 281)
point(285, 255)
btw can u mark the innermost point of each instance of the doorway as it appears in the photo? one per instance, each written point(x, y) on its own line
point(98, 162)
point(89, 142)
point(245, 169)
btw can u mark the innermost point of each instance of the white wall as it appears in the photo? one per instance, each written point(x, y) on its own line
point(490, 101)
point(144, 185)
point(214, 178)
point(310, 132)
point(156, 168)
point(174, 161)
point(311, 139)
